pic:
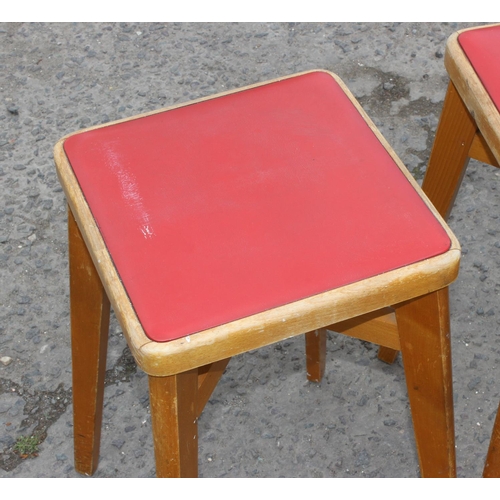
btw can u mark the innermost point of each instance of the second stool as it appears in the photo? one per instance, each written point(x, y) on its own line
point(469, 128)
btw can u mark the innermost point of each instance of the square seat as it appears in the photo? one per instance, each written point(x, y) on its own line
point(225, 224)
point(246, 202)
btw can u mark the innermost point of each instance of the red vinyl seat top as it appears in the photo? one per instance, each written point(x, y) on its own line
point(221, 209)
point(482, 47)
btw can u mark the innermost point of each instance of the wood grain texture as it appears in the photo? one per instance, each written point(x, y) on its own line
point(89, 339)
point(492, 463)
point(479, 150)
point(387, 355)
point(424, 327)
point(450, 153)
point(378, 327)
point(173, 402)
point(208, 377)
point(316, 354)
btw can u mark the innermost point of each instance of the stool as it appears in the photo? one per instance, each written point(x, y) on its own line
point(469, 127)
point(236, 221)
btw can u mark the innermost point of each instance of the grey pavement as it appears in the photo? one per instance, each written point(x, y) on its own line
point(264, 419)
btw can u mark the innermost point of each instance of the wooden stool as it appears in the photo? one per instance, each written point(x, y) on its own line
point(469, 128)
point(239, 220)
point(470, 120)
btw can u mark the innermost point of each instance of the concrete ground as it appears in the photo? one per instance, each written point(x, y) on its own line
point(264, 419)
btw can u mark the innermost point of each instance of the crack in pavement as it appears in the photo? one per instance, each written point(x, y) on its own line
point(43, 408)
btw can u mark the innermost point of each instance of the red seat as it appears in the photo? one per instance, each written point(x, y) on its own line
point(240, 204)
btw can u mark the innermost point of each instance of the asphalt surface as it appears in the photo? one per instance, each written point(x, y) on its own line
point(264, 419)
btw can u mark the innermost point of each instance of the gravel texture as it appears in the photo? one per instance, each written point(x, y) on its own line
point(264, 419)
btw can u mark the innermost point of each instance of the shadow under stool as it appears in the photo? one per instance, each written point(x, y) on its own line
point(225, 224)
point(469, 127)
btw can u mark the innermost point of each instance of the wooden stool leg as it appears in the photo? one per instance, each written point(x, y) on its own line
point(316, 354)
point(450, 153)
point(173, 402)
point(424, 327)
point(492, 464)
point(387, 355)
point(89, 340)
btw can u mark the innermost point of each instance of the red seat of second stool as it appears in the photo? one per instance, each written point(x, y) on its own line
point(482, 47)
point(238, 204)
